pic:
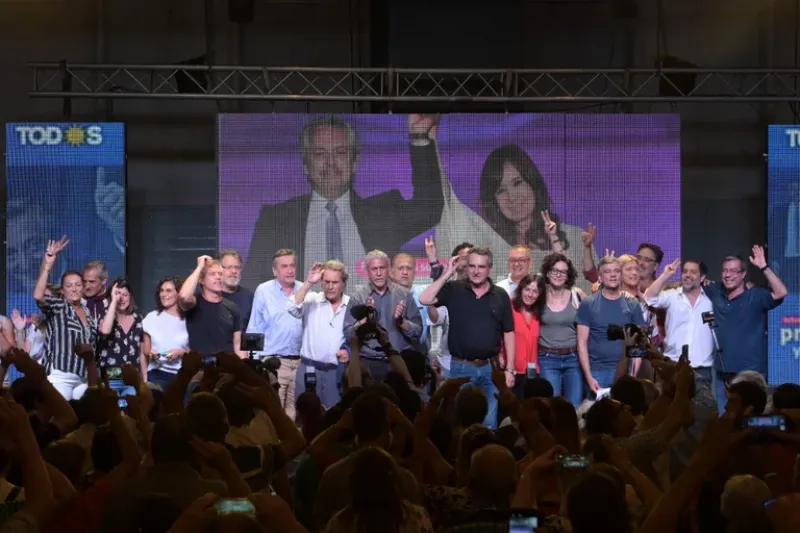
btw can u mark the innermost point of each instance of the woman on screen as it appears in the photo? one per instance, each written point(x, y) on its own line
point(512, 200)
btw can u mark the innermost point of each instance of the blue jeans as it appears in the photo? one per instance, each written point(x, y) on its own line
point(720, 391)
point(13, 374)
point(481, 377)
point(604, 374)
point(160, 378)
point(327, 386)
point(564, 374)
point(120, 388)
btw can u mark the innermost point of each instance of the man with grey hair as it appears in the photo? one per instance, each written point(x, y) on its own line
point(323, 313)
point(395, 310)
point(95, 277)
point(231, 262)
point(333, 222)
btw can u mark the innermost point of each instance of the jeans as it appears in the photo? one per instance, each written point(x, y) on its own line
point(160, 378)
point(120, 388)
point(12, 374)
point(481, 377)
point(564, 374)
point(603, 373)
point(720, 391)
point(327, 386)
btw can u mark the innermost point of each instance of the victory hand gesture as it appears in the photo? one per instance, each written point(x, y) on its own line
point(672, 268)
point(588, 235)
point(430, 249)
point(550, 227)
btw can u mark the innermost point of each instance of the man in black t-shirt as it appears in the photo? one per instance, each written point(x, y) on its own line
point(213, 322)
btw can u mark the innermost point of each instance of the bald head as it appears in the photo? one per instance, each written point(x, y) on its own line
point(404, 270)
point(493, 473)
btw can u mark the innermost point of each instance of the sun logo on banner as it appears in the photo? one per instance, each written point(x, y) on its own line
point(75, 136)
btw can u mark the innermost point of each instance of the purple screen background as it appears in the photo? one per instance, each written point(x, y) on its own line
point(620, 172)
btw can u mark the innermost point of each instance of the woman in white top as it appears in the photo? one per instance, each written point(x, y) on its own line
point(512, 198)
point(165, 337)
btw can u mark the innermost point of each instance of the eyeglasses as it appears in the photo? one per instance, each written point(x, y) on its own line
point(645, 259)
point(516, 261)
point(558, 273)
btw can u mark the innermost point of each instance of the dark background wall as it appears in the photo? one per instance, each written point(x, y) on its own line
point(171, 169)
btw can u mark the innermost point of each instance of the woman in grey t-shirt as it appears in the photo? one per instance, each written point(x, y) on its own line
point(558, 341)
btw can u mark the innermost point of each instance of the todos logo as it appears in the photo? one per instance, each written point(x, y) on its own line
point(56, 135)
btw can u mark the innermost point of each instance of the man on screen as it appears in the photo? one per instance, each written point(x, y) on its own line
point(333, 222)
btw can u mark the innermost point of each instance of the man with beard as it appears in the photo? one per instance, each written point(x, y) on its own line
point(599, 356)
point(231, 262)
point(333, 221)
point(685, 307)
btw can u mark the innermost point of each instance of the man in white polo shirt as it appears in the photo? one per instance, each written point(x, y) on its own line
point(685, 307)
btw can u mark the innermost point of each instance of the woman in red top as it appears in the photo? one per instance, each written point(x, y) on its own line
point(527, 311)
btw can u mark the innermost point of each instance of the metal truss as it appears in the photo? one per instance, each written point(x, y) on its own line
point(200, 82)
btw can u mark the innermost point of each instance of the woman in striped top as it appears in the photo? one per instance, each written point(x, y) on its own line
point(69, 322)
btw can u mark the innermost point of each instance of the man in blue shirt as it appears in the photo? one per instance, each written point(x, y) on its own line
point(740, 314)
point(599, 356)
point(283, 332)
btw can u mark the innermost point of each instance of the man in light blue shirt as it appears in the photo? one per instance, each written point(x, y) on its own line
point(283, 332)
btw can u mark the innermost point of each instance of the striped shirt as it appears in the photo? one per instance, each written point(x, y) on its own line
point(64, 331)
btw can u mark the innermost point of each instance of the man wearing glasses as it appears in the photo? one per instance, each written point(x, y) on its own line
point(519, 264)
point(231, 289)
point(649, 257)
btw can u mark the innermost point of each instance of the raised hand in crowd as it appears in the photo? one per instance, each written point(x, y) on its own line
point(430, 250)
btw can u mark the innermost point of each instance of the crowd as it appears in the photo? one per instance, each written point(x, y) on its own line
point(463, 404)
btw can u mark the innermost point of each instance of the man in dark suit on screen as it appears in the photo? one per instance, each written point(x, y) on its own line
point(333, 222)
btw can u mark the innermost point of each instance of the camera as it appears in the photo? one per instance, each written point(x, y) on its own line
point(708, 317)
point(368, 330)
point(252, 342)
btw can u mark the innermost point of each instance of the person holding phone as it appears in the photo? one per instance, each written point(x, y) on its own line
point(165, 338)
point(121, 332)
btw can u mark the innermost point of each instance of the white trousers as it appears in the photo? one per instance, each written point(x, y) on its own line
point(71, 386)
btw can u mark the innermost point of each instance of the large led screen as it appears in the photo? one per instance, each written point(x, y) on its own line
point(63, 179)
point(783, 251)
point(340, 186)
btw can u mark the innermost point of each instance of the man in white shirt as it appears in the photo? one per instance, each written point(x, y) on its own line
point(323, 315)
point(333, 221)
point(685, 307)
point(519, 264)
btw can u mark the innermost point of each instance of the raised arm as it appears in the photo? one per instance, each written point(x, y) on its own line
point(428, 296)
point(655, 288)
point(775, 284)
point(53, 248)
point(186, 298)
point(314, 277)
point(107, 324)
